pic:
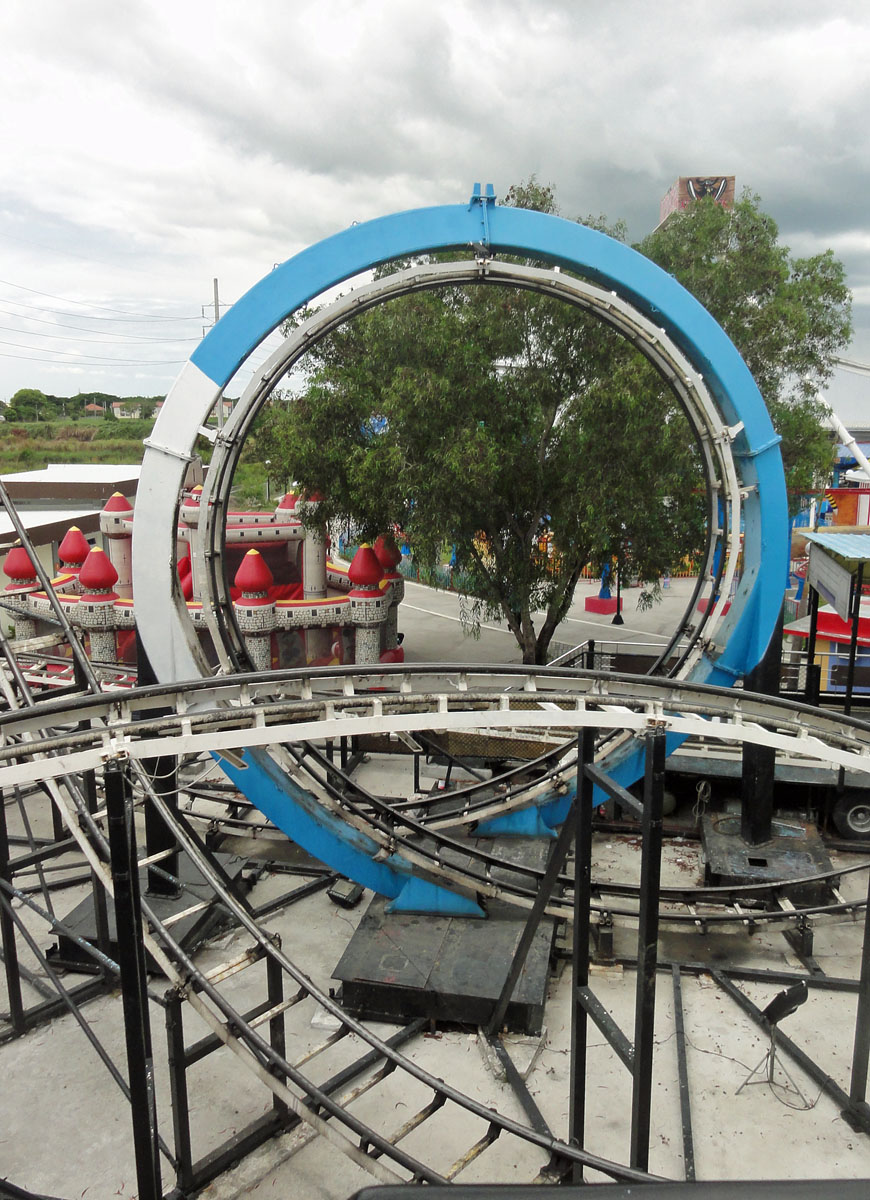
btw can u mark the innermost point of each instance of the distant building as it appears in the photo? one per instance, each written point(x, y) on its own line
point(689, 188)
point(126, 410)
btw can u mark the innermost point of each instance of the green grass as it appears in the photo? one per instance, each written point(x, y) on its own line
point(29, 446)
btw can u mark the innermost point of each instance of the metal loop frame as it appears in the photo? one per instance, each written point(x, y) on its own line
point(641, 293)
point(741, 452)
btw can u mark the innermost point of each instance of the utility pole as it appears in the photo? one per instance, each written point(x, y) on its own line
point(217, 317)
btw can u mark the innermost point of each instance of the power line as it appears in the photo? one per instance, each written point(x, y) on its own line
point(142, 337)
point(65, 337)
point(124, 313)
point(84, 359)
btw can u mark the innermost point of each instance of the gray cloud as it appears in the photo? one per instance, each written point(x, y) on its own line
point(157, 144)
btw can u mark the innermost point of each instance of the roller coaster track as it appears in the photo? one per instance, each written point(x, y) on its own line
point(291, 712)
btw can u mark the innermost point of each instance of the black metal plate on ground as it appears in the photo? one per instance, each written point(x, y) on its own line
point(189, 932)
point(794, 852)
point(449, 969)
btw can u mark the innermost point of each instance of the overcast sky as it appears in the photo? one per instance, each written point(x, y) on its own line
point(149, 146)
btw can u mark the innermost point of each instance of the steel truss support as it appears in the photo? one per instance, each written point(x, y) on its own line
point(636, 1056)
point(54, 1001)
point(861, 1051)
point(192, 1175)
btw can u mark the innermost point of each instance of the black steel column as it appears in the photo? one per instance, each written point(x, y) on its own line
point(759, 762)
point(177, 1059)
point(7, 934)
point(647, 948)
point(580, 954)
point(813, 685)
point(853, 642)
point(159, 839)
point(853, 654)
point(98, 887)
point(683, 1074)
point(131, 959)
point(861, 1050)
point(277, 1032)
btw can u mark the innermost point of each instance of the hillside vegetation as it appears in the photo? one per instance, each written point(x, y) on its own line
point(31, 445)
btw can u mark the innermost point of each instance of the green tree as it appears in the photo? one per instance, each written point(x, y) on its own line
point(788, 317)
point(29, 404)
point(481, 418)
point(533, 439)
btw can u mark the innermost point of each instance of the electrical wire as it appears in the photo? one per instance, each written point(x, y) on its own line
point(123, 313)
point(101, 341)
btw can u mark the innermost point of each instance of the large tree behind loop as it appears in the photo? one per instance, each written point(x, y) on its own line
point(493, 420)
point(487, 418)
point(788, 317)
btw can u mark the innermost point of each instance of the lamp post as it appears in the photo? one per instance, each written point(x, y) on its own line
point(268, 480)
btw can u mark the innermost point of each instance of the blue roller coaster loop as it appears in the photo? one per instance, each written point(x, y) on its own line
point(493, 229)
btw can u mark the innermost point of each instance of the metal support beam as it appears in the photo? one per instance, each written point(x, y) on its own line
point(683, 1075)
point(647, 948)
point(163, 773)
point(7, 935)
point(813, 685)
point(131, 959)
point(759, 762)
point(545, 889)
point(861, 1049)
point(582, 811)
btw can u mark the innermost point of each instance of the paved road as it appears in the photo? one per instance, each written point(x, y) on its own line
point(432, 623)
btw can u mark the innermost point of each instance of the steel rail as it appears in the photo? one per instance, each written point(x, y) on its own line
point(616, 704)
point(435, 862)
point(701, 894)
point(198, 700)
point(788, 726)
point(722, 895)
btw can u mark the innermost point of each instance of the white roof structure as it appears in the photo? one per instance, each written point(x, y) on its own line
point(97, 473)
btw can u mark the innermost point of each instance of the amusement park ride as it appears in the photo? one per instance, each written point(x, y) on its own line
point(271, 710)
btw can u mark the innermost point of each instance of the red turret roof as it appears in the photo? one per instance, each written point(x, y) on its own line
point(117, 504)
point(98, 574)
point(17, 564)
point(289, 501)
point(389, 554)
point(74, 548)
point(254, 575)
point(365, 572)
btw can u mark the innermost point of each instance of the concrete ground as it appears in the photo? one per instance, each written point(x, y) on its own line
point(65, 1128)
point(432, 622)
